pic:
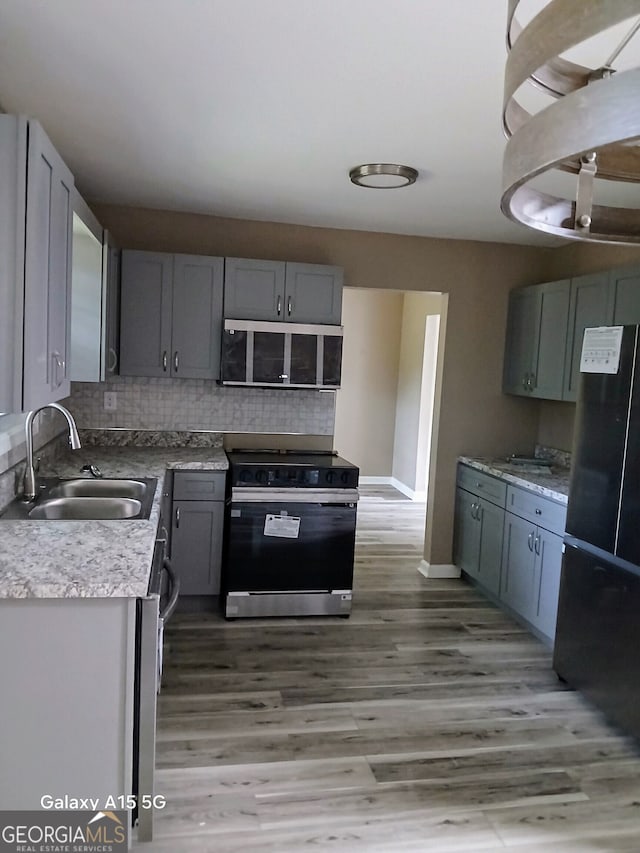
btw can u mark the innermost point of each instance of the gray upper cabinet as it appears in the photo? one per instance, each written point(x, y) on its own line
point(35, 264)
point(171, 315)
point(591, 305)
point(253, 290)
point(625, 284)
point(313, 294)
point(289, 292)
point(536, 337)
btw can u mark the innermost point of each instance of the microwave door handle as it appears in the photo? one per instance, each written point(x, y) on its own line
point(167, 612)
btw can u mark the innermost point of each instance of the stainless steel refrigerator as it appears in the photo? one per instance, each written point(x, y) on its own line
point(598, 627)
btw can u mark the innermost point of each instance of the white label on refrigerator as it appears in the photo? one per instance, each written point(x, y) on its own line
point(601, 349)
point(286, 526)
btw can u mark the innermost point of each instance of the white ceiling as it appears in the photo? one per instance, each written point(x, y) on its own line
point(257, 109)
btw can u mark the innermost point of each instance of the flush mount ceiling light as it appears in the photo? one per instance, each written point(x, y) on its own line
point(592, 129)
point(383, 176)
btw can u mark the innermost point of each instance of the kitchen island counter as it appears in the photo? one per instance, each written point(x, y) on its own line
point(94, 559)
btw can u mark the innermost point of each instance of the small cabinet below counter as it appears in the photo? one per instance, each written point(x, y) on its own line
point(197, 523)
point(508, 540)
point(480, 501)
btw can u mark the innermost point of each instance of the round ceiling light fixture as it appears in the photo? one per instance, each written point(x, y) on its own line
point(383, 176)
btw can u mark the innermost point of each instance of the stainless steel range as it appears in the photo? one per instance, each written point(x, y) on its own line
point(290, 534)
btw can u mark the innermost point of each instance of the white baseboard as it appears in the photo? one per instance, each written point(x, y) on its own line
point(392, 481)
point(445, 570)
point(410, 493)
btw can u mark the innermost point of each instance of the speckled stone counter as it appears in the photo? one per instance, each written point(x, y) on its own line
point(94, 559)
point(552, 483)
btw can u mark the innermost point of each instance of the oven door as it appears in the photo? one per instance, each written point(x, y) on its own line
point(300, 540)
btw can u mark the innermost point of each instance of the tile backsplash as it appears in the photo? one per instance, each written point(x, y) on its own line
point(198, 404)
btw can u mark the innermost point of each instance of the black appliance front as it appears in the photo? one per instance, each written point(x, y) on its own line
point(599, 451)
point(598, 634)
point(319, 557)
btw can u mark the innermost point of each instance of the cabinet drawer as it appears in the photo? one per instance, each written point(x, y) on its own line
point(537, 509)
point(488, 487)
point(199, 485)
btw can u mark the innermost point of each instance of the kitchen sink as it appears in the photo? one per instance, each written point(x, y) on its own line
point(61, 509)
point(86, 499)
point(84, 488)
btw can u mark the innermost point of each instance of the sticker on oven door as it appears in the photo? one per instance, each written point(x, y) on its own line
point(286, 526)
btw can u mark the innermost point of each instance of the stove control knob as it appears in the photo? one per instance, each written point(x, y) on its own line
point(330, 477)
point(246, 476)
point(261, 476)
point(344, 477)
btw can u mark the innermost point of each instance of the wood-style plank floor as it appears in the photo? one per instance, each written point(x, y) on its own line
point(428, 721)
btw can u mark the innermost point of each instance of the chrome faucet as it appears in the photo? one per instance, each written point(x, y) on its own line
point(29, 483)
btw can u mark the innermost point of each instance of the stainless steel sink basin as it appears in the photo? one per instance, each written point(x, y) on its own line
point(61, 509)
point(86, 499)
point(84, 488)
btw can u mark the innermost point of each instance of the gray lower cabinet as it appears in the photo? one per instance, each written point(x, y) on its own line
point(35, 266)
point(509, 540)
point(170, 315)
point(532, 557)
point(479, 530)
point(282, 291)
point(196, 531)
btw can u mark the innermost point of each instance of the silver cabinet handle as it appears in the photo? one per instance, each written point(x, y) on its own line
point(537, 545)
point(279, 306)
point(538, 512)
point(113, 364)
point(530, 541)
point(58, 366)
point(164, 361)
point(175, 361)
point(177, 517)
point(283, 376)
point(289, 306)
point(525, 381)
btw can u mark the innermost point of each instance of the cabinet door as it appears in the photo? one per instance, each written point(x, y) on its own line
point(254, 290)
point(467, 533)
point(490, 551)
point(196, 545)
point(591, 305)
point(47, 269)
point(518, 587)
point(626, 292)
point(145, 313)
point(196, 317)
point(548, 550)
point(548, 369)
point(523, 329)
point(313, 294)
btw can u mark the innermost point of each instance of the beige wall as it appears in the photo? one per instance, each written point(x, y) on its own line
point(366, 402)
point(474, 415)
point(409, 463)
point(557, 419)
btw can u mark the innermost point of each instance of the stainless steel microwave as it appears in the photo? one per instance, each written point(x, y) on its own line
point(281, 355)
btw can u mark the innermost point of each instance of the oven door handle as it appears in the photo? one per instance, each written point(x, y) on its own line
point(251, 494)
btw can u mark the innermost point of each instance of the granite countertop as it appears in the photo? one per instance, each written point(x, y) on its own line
point(550, 482)
point(94, 559)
